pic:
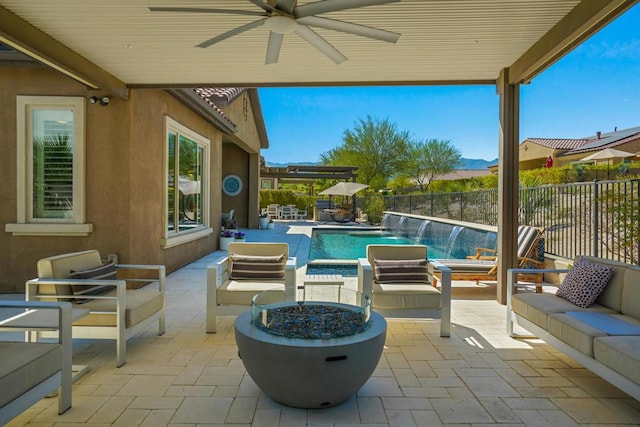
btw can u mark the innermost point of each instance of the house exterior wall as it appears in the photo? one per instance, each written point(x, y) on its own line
point(533, 156)
point(241, 157)
point(125, 156)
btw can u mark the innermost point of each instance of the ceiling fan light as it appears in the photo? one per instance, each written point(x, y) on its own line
point(281, 24)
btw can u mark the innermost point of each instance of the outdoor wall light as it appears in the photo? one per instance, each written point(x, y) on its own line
point(103, 100)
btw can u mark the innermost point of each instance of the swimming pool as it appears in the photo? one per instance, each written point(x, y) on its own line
point(336, 250)
point(351, 244)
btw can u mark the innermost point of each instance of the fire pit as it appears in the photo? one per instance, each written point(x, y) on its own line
point(310, 354)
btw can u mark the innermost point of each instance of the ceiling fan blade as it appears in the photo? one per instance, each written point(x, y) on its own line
point(325, 6)
point(286, 5)
point(321, 44)
point(235, 31)
point(263, 5)
point(348, 27)
point(205, 10)
point(273, 48)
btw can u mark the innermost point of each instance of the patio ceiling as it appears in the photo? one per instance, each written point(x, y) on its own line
point(118, 44)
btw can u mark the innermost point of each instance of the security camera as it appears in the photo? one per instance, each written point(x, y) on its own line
point(104, 100)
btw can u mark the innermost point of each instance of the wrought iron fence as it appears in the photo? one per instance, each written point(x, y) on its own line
point(598, 218)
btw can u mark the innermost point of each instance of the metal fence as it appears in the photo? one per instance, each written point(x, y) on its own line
point(599, 218)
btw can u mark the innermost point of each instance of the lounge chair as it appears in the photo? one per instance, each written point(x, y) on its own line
point(116, 311)
point(248, 269)
point(397, 280)
point(483, 265)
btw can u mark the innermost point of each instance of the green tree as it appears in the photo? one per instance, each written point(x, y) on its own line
point(376, 147)
point(429, 159)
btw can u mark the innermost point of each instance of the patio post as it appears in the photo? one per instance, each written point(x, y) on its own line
point(507, 180)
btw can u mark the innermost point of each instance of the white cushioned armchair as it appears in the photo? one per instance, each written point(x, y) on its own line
point(396, 277)
point(248, 269)
point(116, 311)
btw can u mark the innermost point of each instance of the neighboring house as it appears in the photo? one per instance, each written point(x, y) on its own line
point(140, 178)
point(535, 151)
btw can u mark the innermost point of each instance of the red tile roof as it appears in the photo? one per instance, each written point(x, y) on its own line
point(220, 95)
point(558, 144)
point(211, 95)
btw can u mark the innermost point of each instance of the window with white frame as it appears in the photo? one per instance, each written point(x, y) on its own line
point(186, 191)
point(50, 165)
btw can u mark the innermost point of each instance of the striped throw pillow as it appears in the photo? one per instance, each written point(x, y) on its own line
point(257, 266)
point(103, 272)
point(400, 270)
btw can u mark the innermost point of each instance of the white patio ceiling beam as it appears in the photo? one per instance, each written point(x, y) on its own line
point(24, 37)
point(583, 21)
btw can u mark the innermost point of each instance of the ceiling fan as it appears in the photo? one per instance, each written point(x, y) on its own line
point(285, 16)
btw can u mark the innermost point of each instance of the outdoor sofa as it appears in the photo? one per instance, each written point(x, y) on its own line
point(603, 336)
point(29, 371)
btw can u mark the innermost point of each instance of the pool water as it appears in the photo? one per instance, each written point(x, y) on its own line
point(338, 244)
point(351, 245)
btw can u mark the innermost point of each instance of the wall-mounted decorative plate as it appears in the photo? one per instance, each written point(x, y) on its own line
point(231, 185)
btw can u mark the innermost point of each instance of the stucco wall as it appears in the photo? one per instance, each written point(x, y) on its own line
point(125, 155)
point(236, 162)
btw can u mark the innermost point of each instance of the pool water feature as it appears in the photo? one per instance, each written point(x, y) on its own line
point(335, 251)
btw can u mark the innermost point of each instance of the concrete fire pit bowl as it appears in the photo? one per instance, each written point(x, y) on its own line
point(310, 373)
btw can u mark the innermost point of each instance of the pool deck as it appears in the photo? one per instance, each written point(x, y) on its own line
point(478, 377)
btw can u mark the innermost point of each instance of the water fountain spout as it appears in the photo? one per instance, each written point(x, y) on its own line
point(421, 230)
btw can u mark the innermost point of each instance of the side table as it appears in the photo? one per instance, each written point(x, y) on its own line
point(322, 280)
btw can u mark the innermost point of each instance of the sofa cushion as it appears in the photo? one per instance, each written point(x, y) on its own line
point(140, 304)
point(574, 332)
point(25, 365)
point(620, 353)
point(631, 292)
point(257, 266)
point(584, 282)
point(400, 270)
point(537, 307)
point(406, 295)
point(102, 272)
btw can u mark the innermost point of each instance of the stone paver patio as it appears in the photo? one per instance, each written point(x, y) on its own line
point(478, 377)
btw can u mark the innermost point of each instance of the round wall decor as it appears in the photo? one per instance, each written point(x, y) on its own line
point(231, 185)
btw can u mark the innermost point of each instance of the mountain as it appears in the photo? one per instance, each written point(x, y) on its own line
point(464, 164)
point(475, 163)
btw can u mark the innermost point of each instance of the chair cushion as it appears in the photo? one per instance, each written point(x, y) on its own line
point(240, 292)
point(141, 304)
point(400, 270)
point(103, 272)
point(406, 295)
point(257, 266)
point(25, 365)
point(584, 282)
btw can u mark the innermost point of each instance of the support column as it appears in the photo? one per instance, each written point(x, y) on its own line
point(507, 180)
point(253, 182)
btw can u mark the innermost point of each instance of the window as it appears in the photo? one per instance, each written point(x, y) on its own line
point(50, 164)
point(187, 193)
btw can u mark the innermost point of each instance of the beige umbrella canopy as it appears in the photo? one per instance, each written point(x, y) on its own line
point(608, 154)
point(343, 189)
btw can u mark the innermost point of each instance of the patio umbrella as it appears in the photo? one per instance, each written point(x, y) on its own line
point(608, 154)
point(347, 189)
point(343, 189)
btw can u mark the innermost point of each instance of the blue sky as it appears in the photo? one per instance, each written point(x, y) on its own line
point(596, 87)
